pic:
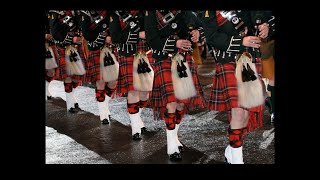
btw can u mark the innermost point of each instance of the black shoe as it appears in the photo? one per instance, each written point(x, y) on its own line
point(71, 110)
point(105, 121)
point(175, 156)
point(143, 130)
point(49, 97)
point(76, 106)
point(136, 136)
point(181, 149)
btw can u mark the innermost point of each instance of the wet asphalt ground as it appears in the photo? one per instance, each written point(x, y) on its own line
point(203, 133)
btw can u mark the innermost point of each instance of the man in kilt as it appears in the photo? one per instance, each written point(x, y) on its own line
point(94, 25)
point(50, 71)
point(230, 33)
point(127, 32)
point(65, 32)
point(176, 87)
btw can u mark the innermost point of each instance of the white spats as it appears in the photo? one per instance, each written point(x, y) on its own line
point(70, 100)
point(172, 146)
point(237, 157)
point(234, 155)
point(107, 99)
point(227, 154)
point(140, 120)
point(176, 134)
point(47, 89)
point(102, 110)
point(135, 123)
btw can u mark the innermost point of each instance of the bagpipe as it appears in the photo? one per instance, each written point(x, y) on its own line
point(194, 50)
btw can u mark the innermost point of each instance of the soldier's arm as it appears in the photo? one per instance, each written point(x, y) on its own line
point(59, 30)
point(126, 36)
point(217, 39)
point(166, 44)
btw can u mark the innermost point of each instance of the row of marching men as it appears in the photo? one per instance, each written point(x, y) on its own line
point(147, 55)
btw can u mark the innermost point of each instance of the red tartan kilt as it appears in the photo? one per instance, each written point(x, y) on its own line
point(125, 80)
point(61, 72)
point(92, 66)
point(224, 93)
point(163, 92)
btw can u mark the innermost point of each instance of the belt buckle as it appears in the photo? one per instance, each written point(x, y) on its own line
point(97, 19)
point(66, 19)
point(168, 18)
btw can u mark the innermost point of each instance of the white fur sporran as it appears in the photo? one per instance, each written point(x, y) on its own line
point(51, 62)
point(183, 87)
point(74, 67)
point(111, 72)
point(250, 93)
point(142, 81)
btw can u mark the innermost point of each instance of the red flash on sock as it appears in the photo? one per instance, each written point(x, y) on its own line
point(235, 137)
point(133, 108)
point(68, 87)
point(179, 116)
point(100, 95)
point(169, 119)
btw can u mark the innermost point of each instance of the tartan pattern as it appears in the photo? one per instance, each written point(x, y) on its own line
point(68, 87)
point(143, 104)
point(142, 46)
point(179, 116)
point(133, 108)
point(109, 91)
point(75, 84)
point(100, 95)
point(235, 137)
point(125, 79)
point(61, 72)
point(163, 92)
point(220, 19)
point(92, 65)
point(224, 93)
point(169, 119)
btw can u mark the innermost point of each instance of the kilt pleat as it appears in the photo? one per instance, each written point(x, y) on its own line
point(61, 72)
point(224, 93)
point(163, 91)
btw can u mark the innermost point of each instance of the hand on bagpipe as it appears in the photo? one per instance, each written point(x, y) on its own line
point(260, 26)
